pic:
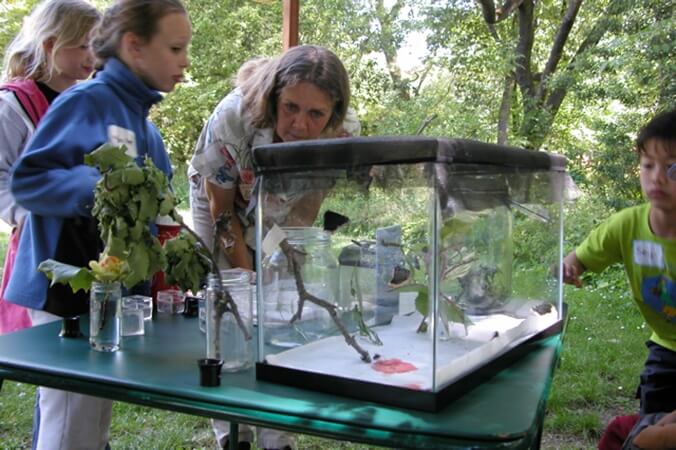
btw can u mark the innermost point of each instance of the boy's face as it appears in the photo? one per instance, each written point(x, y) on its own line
point(659, 189)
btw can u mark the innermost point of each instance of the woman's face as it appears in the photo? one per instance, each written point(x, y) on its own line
point(303, 111)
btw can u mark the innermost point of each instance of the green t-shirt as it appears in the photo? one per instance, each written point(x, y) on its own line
point(650, 263)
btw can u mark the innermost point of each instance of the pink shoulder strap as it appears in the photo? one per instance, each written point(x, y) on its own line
point(30, 96)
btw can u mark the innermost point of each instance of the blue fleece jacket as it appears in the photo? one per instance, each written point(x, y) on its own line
point(51, 180)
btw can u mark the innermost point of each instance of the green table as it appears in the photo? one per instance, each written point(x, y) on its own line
point(160, 370)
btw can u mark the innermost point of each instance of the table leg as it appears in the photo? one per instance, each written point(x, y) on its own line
point(233, 437)
point(538, 437)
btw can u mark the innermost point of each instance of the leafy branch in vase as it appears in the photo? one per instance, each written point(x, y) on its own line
point(127, 199)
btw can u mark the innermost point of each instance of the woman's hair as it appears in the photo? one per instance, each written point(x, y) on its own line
point(264, 80)
point(249, 68)
point(65, 21)
point(661, 127)
point(137, 16)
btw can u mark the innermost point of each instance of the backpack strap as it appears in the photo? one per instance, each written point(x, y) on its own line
point(30, 97)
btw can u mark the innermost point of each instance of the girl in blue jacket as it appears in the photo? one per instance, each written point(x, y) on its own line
point(141, 49)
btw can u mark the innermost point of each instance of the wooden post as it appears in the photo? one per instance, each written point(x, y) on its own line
point(290, 26)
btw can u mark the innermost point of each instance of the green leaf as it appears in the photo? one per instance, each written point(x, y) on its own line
point(148, 206)
point(115, 246)
point(413, 287)
point(167, 204)
point(139, 264)
point(133, 175)
point(108, 157)
point(422, 301)
point(454, 312)
point(77, 277)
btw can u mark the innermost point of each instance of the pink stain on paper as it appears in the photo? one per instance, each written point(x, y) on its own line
point(394, 365)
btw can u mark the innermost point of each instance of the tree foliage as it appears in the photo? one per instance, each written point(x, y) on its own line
point(576, 77)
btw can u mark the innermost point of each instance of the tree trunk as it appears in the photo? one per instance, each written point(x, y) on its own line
point(505, 108)
point(540, 106)
point(388, 45)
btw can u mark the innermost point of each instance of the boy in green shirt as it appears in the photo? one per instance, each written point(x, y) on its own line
point(643, 239)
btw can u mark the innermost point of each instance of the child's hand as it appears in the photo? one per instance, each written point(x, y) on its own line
point(661, 436)
point(669, 418)
point(572, 269)
point(571, 275)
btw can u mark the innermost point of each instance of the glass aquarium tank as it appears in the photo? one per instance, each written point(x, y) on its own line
point(404, 270)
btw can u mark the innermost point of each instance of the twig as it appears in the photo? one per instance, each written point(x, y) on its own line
point(225, 302)
point(425, 123)
point(304, 295)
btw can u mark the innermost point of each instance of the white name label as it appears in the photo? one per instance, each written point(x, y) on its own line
point(121, 136)
point(649, 254)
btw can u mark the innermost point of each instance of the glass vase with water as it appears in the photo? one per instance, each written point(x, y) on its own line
point(105, 310)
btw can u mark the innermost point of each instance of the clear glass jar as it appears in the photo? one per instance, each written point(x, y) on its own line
point(226, 340)
point(319, 275)
point(237, 351)
point(213, 318)
point(202, 310)
point(105, 311)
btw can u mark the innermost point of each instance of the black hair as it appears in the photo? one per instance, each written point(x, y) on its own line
point(662, 127)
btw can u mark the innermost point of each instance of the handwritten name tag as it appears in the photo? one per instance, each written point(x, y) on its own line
point(121, 136)
point(649, 254)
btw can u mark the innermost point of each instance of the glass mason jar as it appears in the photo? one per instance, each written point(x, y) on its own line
point(237, 350)
point(105, 311)
point(226, 340)
point(319, 275)
point(202, 310)
point(212, 317)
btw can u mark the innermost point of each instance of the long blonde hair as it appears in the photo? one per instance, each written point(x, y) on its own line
point(65, 21)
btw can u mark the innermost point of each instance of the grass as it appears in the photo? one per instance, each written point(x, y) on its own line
point(602, 357)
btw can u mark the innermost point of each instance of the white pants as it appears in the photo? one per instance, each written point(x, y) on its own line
point(70, 421)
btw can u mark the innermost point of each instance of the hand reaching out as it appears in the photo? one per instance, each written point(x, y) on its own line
point(572, 269)
point(571, 275)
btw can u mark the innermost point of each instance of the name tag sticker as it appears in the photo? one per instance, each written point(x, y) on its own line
point(121, 136)
point(648, 254)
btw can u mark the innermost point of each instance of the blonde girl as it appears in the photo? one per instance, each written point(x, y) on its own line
point(50, 53)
